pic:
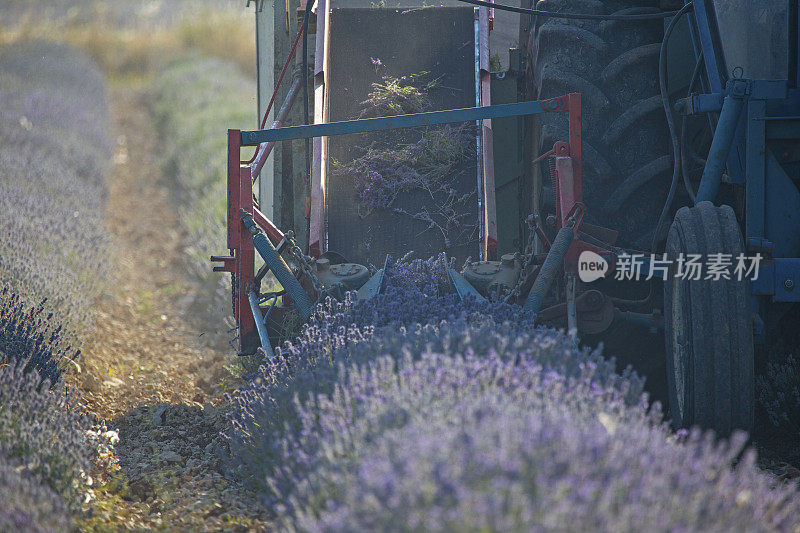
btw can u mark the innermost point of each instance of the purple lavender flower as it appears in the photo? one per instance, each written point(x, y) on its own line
point(417, 411)
point(54, 152)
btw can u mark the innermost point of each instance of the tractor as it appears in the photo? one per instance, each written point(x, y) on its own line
point(630, 177)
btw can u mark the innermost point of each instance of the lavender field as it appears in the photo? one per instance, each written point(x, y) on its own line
point(416, 412)
point(54, 153)
point(54, 150)
point(194, 99)
point(412, 411)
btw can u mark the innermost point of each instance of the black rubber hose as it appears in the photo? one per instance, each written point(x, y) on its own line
point(684, 170)
point(676, 148)
point(579, 16)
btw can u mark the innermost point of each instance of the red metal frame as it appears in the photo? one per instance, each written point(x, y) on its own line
point(241, 261)
point(568, 159)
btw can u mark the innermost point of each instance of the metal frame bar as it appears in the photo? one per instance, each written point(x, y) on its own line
point(479, 140)
point(241, 261)
point(793, 42)
point(707, 37)
point(318, 228)
point(756, 165)
point(489, 247)
point(723, 141)
point(430, 118)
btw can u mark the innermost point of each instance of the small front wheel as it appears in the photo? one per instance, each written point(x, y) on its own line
point(708, 327)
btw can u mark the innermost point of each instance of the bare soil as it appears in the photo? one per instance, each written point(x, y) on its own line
point(148, 369)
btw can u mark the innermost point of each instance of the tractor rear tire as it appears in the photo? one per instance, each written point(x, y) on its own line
point(708, 327)
point(614, 65)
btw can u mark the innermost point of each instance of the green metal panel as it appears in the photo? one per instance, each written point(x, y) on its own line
point(510, 195)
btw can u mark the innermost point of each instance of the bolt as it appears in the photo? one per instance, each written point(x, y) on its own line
point(551, 221)
point(788, 284)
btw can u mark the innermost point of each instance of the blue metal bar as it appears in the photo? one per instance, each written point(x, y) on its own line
point(756, 169)
point(279, 267)
point(467, 114)
point(707, 103)
point(720, 148)
point(462, 286)
point(374, 284)
point(705, 26)
point(260, 325)
point(794, 43)
point(640, 319)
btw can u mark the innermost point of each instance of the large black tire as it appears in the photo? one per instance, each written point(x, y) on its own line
point(614, 64)
point(708, 328)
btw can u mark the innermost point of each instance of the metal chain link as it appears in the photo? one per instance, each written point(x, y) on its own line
point(524, 259)
point(234, 291)
point(305, 263)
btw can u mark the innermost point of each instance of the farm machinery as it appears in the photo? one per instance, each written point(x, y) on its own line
point(650, 149)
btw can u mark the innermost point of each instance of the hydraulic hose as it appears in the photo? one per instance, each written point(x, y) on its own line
point(263, 122)
point(264, 149)
point(676, 147)
point(687, 183)
point(553, 261)
point(261, 327)
point(279, 267)
point(578, 16)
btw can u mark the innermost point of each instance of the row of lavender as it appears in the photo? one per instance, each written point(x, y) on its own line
point(195, 99)
point(417, 412)
point(54, 152)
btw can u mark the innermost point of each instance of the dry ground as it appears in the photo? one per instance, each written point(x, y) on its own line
point(148, 369)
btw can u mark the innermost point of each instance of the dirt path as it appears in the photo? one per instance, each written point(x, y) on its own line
point(147, 370)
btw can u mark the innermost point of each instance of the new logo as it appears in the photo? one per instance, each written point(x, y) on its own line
point(591, 266)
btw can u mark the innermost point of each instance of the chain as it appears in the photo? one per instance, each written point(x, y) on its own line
point(524, 259)
point(305, 263)
point(234, 291)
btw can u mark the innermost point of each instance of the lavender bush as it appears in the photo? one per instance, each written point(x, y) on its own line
point(470, 444)
point(415, 314)
point(53, 158)
point(42, 433)
point(54, 152)
point(415, 412)
point(27, 507)
point(28, 338)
